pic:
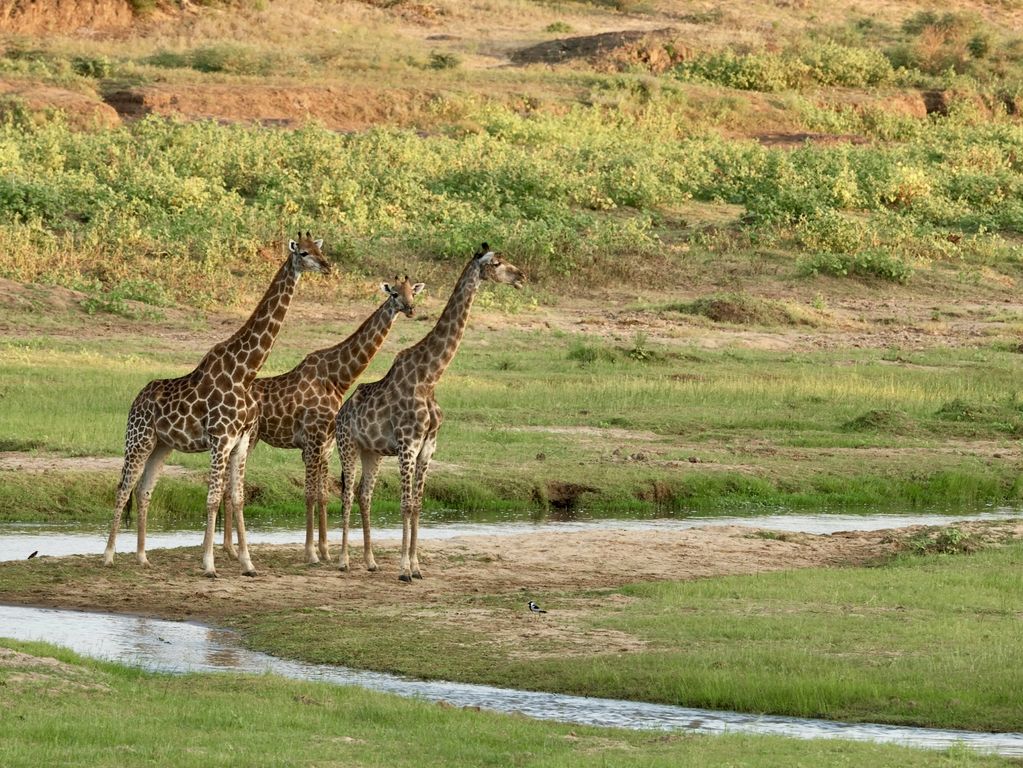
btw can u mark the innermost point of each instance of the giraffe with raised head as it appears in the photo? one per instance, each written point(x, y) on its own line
point(399, 416)
point(210, 409)
point(298, 409)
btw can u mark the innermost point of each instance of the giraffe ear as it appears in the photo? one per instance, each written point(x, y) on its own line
point(418, 288)
point(319, 243)
point(293, 246)
point(386, 288)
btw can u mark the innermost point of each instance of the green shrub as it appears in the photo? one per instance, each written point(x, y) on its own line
point(92, 66)
point(441, 60)
point(870, 263)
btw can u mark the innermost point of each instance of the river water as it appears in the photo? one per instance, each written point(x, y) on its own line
point(179, 647)
point(19, 540)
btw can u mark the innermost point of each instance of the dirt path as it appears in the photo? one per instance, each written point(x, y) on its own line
point(174, 588)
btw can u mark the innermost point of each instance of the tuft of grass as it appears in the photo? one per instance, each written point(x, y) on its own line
point(744, 309)
point(883, 420)
point(943, 541)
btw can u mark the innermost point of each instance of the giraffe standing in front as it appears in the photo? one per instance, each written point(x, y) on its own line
point(399, 416)
point(211, 409)
point(298, 409)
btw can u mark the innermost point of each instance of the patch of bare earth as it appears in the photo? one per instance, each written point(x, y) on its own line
point(337, 107)
point(43, 674)
point(17, 461)
point(173, 587)
point(82, 110)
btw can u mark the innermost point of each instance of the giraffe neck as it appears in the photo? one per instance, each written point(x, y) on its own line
point(438, 347)
point(346, 361)
point(244, 353)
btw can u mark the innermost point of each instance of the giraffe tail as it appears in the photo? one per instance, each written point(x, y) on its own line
point(127, 509)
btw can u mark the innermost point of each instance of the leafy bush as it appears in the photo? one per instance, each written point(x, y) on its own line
point(824, 63)
point(871, 263)
point(441, 60)
point(92, 66)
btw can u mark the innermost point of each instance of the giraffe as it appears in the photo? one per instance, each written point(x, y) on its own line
point(210, 409)
point(399, 416)
point(298, 409)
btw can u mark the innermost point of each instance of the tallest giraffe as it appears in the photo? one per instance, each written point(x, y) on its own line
point(210, 409)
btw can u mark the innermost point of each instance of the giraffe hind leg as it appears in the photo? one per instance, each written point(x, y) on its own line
point(144, 494)
point(135, 456)
point(422, 466)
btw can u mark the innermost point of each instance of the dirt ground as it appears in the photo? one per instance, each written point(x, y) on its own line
point(173, 586)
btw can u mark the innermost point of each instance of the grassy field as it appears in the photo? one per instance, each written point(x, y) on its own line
point(923, 640)
point(227, 720)
point(639, 427)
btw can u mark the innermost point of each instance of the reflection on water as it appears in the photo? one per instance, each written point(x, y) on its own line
point(18, 540)
point(168, 646)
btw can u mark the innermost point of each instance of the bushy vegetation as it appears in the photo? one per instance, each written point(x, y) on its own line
point(167, 202)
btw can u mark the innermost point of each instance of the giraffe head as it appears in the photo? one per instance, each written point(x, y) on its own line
point(403, 294)
point(306, 255)
point(493, 267)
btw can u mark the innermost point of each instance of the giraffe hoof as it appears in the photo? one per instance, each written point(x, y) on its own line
point(371, 568)
point(210, 574)
point(250, 574)
point(343, 567)
point(416, 575)
point(406, 578)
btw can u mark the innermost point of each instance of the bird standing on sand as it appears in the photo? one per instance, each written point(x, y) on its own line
point(534, 608)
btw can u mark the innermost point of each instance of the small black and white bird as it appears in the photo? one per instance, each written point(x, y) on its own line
point(534, 608)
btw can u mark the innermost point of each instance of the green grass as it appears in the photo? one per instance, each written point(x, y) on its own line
point(625, 420)
point(82, 713)
point(924, 640)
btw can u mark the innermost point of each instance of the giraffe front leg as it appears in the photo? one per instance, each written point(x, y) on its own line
point(218, 468)
point(346, 453)
point(321, 504)
point(422, 466)
point(229, 528)
point(370, 468)
point(407, 466)
point(311, 558)
point(236, 480)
